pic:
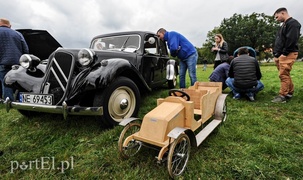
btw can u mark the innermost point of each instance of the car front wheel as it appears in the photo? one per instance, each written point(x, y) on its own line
point(120, 100)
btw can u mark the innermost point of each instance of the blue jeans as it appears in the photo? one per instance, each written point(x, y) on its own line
point(204, 67)
point(189, 63)
point(6, 91)
point(229, 82)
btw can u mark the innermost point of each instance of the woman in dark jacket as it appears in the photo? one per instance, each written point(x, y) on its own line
point(221, 49)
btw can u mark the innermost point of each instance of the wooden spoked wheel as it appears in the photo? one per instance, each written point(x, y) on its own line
point(133, 146)
point(178, 155)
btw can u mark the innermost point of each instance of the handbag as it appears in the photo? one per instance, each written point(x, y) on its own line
point(224, 57)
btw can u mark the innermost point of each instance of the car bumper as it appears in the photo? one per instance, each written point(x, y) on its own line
point(65, 110)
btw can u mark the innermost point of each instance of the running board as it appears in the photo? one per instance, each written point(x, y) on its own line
point(202, 135)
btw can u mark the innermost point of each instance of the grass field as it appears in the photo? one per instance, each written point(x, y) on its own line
point(259, 140)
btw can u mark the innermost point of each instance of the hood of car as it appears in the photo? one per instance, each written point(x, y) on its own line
point(40, 42)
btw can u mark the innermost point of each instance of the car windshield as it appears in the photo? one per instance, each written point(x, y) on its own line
point(129, 43)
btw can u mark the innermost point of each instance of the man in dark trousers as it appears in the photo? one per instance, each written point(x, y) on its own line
point(286, 52)
point(244, 75)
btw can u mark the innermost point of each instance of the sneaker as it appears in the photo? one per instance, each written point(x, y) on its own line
point(288, 96)
point(279, 99)
point(237, 96)
point(250, 96)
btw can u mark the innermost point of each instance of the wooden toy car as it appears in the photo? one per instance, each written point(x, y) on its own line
point(172, 125)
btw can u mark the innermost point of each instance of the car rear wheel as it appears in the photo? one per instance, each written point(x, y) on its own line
point(221, 108)
point(120, 100)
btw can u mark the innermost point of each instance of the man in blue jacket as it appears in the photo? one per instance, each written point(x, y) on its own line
point(179, 46)
point(12, 46)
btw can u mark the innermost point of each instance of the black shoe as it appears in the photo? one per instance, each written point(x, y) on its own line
point(279, 99)
point(250, 96)
point(237, 96)
point(288, 96)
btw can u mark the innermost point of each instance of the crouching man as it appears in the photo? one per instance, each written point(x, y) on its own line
point(244, 76)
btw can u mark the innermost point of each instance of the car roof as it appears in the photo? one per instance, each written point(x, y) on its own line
point(142, 33)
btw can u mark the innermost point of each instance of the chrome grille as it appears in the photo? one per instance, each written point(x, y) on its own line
point(60, 70)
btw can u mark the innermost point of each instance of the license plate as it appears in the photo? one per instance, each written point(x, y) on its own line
point(37, 98)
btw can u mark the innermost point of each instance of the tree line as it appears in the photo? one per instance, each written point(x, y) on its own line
point(256, 30)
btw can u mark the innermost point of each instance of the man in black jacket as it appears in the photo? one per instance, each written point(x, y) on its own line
point(244, 75)
point(286, 52)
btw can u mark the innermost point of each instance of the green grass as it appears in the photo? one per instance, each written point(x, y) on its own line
point(259, 140)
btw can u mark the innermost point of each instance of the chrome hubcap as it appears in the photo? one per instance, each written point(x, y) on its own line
point(124, 104)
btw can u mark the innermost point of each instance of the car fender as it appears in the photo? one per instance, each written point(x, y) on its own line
point(29, 81)
point(108, 69)
point(177, 131)
point(170, 69)
point(126, 121)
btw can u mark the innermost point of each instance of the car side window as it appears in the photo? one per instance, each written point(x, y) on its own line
point(150, 47)
point(99, 45)
point(129, 43)
point(163, 48)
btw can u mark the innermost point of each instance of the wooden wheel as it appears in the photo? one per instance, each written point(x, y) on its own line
point(178, 155)
point(224, 112)
point(221, 108)
point(133, 146)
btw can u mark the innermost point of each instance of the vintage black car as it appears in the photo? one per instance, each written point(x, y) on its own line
point(105, 80)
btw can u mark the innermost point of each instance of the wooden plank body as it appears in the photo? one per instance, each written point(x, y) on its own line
point(172, 112)
point(204, 95)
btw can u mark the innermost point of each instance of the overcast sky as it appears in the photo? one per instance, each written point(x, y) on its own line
point(75, 22)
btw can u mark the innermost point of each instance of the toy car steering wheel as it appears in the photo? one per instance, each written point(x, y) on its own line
point(179, 93)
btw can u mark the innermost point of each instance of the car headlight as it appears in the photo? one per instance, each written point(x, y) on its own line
point(86, 56)
point(29, 61)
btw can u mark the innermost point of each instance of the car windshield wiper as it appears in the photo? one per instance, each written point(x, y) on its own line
point(123, 45)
